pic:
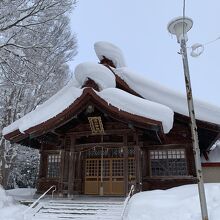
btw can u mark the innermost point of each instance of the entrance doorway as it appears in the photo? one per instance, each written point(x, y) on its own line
point(106, 175)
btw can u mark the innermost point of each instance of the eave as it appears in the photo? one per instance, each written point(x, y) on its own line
point(88, 95)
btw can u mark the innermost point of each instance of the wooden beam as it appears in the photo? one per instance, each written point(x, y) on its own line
point(88, 133)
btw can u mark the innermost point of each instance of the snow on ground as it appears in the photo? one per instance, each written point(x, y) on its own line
point(9, 208)
point(21, 193)
point(110, 51)
point(179, 203)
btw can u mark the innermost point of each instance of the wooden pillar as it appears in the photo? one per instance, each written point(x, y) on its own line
point(125, 155)
point(62, 155)
point(72, 163)
point(80, 172)
point(137, 164)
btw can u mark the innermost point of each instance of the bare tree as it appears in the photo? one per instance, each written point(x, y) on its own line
point(35, 46)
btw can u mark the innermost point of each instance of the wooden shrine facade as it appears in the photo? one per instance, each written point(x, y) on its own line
point(95, 148)
point(82, 163)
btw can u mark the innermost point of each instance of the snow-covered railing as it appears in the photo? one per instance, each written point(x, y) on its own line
point(34, 203)
point(126, 201)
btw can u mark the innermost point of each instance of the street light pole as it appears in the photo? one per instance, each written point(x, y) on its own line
point(194, 132)
point(179, 27)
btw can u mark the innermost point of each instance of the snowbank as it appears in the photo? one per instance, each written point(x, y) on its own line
point(97, 72)
point(9, 210)
point(110, 51)
point(138, 106)
point(21, 193)
point(176, 101)
point(179, 203)
point(5, 200)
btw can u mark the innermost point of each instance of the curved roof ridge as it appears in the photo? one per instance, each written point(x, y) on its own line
point(135, 108)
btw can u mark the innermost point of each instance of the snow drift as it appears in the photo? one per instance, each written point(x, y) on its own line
point(9, 210)
point(5, 200)
point(179, 203)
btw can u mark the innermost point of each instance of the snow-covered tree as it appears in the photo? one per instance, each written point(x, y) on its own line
point(35, 46)
point(24, 169)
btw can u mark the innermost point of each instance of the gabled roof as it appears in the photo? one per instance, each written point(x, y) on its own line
point(36, 123)
point(142, 101)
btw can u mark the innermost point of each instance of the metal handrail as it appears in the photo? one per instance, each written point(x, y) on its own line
point(126, 201)
point(33, 204)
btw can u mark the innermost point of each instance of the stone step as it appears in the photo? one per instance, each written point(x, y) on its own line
point(79, 209)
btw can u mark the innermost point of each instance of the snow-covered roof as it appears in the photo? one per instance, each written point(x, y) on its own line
point(176, 101)
point(103, 77)
point(49, 109)
point(139, 106)
point(110, 51)
point(158, 103)
point(113, 96)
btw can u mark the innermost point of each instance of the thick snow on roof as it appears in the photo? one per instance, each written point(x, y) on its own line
point(110, 51)
point(139, 106)
point(97, 72)
point(160, 94)
point(116, 97)
point(49, 109)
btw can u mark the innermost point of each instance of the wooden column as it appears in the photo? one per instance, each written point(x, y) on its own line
point(80, 172)
point(62, 154)
point(137, 164)
point(72, 163)
point(125, 155)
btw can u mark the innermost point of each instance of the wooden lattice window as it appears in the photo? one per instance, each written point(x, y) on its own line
point(53, 169)
point(170, 162)
point(91, 168)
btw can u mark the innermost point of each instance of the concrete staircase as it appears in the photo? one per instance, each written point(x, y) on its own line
point(92, 208)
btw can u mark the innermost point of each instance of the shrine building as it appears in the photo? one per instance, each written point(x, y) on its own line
point(110, 128)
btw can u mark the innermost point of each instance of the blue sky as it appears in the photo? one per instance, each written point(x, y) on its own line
point(139, 28)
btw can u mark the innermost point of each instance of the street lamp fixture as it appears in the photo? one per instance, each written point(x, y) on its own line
point(179, 27)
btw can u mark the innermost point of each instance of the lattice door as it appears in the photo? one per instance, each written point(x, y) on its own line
point(113, 175)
